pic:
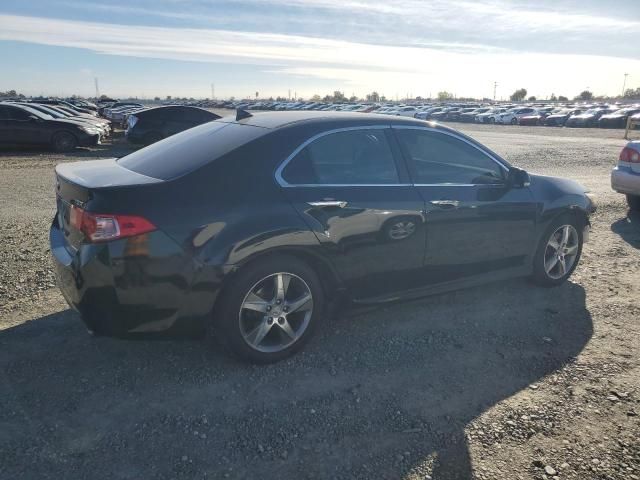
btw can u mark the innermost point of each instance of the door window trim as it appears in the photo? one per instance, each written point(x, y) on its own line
point(457, 137)
point(283, 183)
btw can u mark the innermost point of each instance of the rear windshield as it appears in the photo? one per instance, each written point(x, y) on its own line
point(187, 151)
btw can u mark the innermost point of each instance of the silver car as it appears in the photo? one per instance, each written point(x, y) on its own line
point(625, 177)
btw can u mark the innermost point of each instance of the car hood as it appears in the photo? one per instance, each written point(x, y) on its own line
point(564, 185)
point(614, 115)
point(583, 116)
point(558, 115)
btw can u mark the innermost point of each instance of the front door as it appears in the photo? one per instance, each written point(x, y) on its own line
point(475, 222)
point(353, 192)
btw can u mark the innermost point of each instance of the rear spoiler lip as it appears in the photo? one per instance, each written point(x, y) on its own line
point(107, 173)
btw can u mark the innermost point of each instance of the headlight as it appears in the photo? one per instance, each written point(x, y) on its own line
point(90, 130)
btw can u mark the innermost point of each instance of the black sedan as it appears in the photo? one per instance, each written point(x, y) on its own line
point(558, 119)
point(23, 125)
point(149, 126)
point(617, 119)
point(250, 226)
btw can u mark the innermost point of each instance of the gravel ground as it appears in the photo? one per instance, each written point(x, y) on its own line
point(501, 381)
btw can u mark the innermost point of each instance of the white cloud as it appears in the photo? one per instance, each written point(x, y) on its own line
point(362, 67)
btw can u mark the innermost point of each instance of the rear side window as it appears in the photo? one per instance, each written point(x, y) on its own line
point(187, 151)
point(352, 157)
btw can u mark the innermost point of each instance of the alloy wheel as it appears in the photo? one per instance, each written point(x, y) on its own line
point(276, 312)
point(561, 252)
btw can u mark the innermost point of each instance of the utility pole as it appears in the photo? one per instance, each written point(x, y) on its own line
point(289, 94)
point(495, 85)
point(624, 83)
point(213, 91)
point(97, 88)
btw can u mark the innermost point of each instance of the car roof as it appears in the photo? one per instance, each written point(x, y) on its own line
point(276, 120)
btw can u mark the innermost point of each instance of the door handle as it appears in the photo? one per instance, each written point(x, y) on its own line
point(329, 203)
point(446, 203)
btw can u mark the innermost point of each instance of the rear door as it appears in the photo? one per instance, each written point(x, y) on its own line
point(475, 223)
point(352, 190)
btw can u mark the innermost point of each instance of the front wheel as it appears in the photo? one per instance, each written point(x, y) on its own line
point(270, 310)
point(514, 121)
point(634, 202)
point(64, 142)
point(558, 253)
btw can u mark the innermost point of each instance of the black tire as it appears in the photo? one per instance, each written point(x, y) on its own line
point(634, 202)
point(64, 142)
point(540, 276)
point(492, 120)
point(226, 322)
point(514, 121)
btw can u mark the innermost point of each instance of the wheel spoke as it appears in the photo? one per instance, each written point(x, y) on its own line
point(563, 266)
point(282, 285)
point(550, 263)
point(565, 235)
point(255, 303)
point(301, 304)
point(286, 328)
point(553, 243)
point(257, 334)
point(572, 250)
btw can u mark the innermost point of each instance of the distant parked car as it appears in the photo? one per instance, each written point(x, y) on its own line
point(406, 111)
point(617, 119)
point(558, 119)
point(470, 116)
point(57, 113)
point(426, 114)
point(149, 126)
point(625, 177)
point(511, 117)
point(106, 112)
point(587, 119)
point(456, 115)
point(490, 115)
point(536, 118)
point(22, 125)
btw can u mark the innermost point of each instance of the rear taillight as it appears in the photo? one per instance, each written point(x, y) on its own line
point(100, 227)
point(629, 155)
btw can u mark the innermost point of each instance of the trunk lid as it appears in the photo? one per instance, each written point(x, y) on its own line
point(77, 185)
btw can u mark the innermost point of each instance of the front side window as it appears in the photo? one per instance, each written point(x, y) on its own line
point(437, 158)
point(352, 157)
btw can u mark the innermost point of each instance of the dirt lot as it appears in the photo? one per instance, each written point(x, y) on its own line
point(503, 381)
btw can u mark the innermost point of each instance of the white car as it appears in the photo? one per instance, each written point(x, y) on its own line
point(491, 115)
point(404, 112)
point(625, 177)
point(511, 117)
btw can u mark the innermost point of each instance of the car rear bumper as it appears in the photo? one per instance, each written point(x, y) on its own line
point(624, 180)
point(141, 284)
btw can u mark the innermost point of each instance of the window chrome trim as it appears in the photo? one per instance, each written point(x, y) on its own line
point(283, 183)
point(457, 137)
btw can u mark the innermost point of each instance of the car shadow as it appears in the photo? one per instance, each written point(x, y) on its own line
point(383, 393)
point(628, 228)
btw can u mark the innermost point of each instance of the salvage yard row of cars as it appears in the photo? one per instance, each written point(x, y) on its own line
point(569, 115)
point(66, 124)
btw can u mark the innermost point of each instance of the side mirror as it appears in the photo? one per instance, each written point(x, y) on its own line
point(518, 178)
point(33, 118)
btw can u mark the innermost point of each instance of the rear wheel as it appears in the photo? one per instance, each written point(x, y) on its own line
point(558, 253)
point(492, 120)
point(514, 121)
point(64, 142)
point(270, 310)
point(634, 202)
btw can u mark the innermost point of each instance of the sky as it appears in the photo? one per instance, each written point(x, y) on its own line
point(399, 48)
